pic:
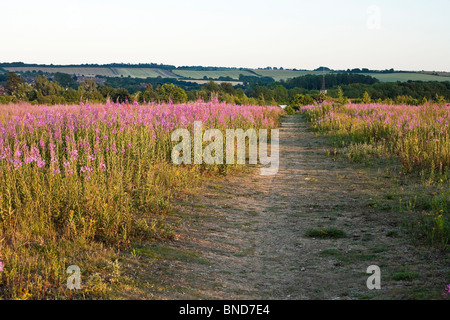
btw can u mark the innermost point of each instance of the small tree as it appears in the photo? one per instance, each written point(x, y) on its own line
point(169, 91)
point(64, 79)
point(440, 100)
point(301, 100)
point(289, 110)
point(227, 87)
point(13, 82)
point(319, 98)
point(121, 95)
point(89, 86)
point(341, 99)
point(149, 88)
point(424, 101)
point(366, 98)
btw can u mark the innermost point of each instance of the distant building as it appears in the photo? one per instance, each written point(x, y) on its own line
point(28, 79)
point(2, 91)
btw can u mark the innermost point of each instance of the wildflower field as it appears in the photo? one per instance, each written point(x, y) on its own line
point(417, 137)
point(80, 182)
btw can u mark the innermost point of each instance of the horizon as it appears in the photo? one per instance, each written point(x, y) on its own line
point(208, 66)
point(378, 35)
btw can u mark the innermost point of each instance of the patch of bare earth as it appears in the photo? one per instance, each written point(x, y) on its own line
point(246, 236)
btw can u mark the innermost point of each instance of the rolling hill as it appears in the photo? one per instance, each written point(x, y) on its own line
point(202, 75)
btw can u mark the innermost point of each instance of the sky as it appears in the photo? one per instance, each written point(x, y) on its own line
point(302, 34)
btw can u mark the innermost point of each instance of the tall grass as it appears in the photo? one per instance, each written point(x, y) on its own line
point(79, 180)
point(418, 136)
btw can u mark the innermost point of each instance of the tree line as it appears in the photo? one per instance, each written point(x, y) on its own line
point(64, 88)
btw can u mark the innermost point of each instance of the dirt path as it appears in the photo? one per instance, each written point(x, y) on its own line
point(244, 237)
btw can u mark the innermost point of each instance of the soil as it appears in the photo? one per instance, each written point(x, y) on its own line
point(245, 236)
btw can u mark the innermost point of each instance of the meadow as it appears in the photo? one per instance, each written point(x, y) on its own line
point(80, 183)
point(415, 137)
point(234, 74)
point(406, 76)
point(277, 75)
point(101, 71)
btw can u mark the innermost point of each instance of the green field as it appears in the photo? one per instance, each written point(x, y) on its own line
point(78, 71)
point(200, 75)
point(285, 74)
point(405, 76)
point(383, 77)
point(107, 72)
point(144, 73)
point(234, 74)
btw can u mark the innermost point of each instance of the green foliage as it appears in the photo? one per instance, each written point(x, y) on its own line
point(227, 88)
point(366, 98)
point(341, 99)
point(329, 233)
point(211, 86)
point(121, 95)
point(65, 80)
point(289, 110)
point(169, 92)
point(386, 132)
point(405, 276)
point(88, 86)
point(13, 82)
point(440, 100)
point(319, 97)
point(259, 90)
point(314, 82)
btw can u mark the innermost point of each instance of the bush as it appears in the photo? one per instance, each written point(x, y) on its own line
point(289, 110)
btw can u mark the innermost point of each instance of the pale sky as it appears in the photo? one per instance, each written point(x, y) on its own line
point(302, 34)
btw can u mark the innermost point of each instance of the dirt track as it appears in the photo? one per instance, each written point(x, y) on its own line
point(244, 236)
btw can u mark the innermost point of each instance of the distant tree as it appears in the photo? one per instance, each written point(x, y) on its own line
point(87, 90)
point(13, 82)
point(280, 94)
point(149, 88)
point(106, 91)
point(240, 92)
point(341, 99)
point(424, 101)
point(440, 99)
point(301, 100)
point(89, 86)
point(366, 98)
point(171, 92)
point(148, 95)
point(227, 87)
point(289, 110)
point(121, 95)
point(46, 87)
point(64, 79)
point(22, 92)
point(319, 97)
point(211, 86)
point(71, 96)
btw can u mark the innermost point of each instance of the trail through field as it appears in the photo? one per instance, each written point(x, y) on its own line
point(245, 237)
